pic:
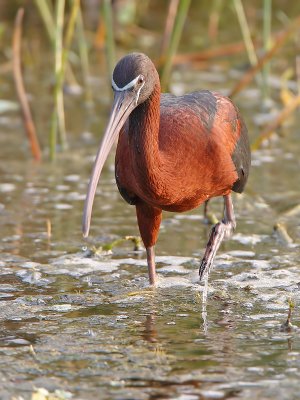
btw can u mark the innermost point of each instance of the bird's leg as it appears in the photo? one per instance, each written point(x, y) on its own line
point(151, 264)
point(205, 210)
point(222, 230)
point(149, 219)
point(209, 217)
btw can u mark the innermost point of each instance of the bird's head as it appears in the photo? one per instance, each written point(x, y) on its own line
point(133, 81)
point(135, 74)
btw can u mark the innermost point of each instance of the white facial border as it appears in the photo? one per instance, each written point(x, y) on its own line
point(128, 86)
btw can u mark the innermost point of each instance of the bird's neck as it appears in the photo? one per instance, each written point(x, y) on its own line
point(144, 130)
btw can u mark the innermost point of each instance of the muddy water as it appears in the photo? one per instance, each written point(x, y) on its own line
point(88, 325)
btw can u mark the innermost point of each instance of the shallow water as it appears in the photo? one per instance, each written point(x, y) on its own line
point(88, 323)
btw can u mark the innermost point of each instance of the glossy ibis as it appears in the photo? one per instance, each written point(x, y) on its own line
point(173, 153)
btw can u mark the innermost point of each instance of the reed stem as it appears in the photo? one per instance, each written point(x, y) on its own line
point(245, 31)
point(58, 118)
point(84, 57)
point(109, 34)
point(214, 19)
point(44, 8)
point(61, 58)
point(240, 12)
point(181, 15)
point(169, 26)
point(267, 16)
point(75, 4)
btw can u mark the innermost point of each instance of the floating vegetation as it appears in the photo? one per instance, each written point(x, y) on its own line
point(44, 394)
point(287, 325)
point(108, 247)
point(282, 234)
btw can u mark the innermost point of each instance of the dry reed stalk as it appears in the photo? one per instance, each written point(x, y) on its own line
point(171, 16)
point(284, 113)
point(281, 39)
point(181, 15)
point(214, 20)
point(208, 54)
point(49, 228)
point(19, 83)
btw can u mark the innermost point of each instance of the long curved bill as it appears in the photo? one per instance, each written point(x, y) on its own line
point(123, 105)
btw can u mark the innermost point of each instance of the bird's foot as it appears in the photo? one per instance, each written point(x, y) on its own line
point(222, 230)
point(229, 228)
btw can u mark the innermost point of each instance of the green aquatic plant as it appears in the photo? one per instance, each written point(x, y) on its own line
point(84, 56)
point(62, 47)
point(54, 21)
point(108, 247)
point(287, 325)
point(267, 19)
point(106, 12)
point(58, 116)
point(46, 12)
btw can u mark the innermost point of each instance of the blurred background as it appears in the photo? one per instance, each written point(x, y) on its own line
point(69, 48)
point(76, 316)
point(56, 60)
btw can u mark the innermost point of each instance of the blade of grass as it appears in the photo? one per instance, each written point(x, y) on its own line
point(75, 6)
point(46, 10)
point(267, 14)
point(61, 57)
point(62, 68)
point(27, 117)
point(47, 16)
point(57, 120)
point(181, 15)
point(84, 57)
point(106, 11)
point(240, 12)
point(245, 31)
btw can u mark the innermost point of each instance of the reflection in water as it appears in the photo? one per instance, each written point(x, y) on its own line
point(204, 303)
point(150, 332)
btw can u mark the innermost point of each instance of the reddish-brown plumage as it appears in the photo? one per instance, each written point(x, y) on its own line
point(181, 165)
point(173, 153)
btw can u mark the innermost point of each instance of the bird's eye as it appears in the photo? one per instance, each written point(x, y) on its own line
point(141, 79)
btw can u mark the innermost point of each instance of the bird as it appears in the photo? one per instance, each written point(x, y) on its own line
point(173, 154)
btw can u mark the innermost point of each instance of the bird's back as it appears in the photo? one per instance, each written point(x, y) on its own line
point(208, 123)
point(203, 153)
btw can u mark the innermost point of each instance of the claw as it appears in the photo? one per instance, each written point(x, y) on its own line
point(202, 269)
point(222, 230)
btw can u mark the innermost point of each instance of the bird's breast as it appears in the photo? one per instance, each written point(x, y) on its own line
point(187, 161)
